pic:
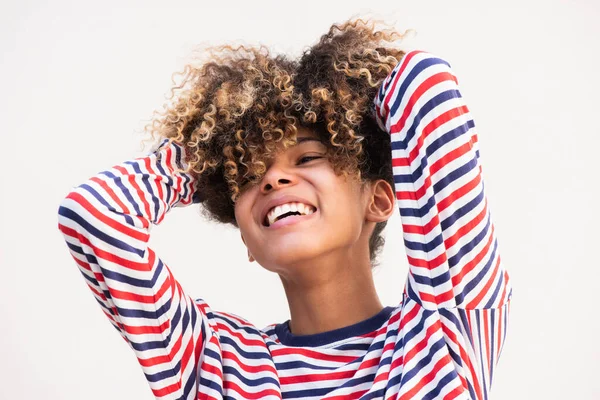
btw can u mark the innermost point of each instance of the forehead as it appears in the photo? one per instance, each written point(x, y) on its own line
point(309, 135)
point(305, 132)
point(304, 137)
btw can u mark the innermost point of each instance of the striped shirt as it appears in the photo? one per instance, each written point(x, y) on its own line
point(441, 342)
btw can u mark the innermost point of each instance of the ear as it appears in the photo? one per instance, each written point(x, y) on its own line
point(381, 203)
point(250, 258)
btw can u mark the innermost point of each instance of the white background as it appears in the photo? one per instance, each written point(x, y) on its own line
point(79, 79)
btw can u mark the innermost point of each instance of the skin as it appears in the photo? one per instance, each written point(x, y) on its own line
point(323, 261)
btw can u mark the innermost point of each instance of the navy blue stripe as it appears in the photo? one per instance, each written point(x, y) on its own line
point(146, 283)
point(319, 339)
point(402, 142)
point(102, 200)
point(166, 374)
point(118, 182)
point(434, 393)
point(149, 345)
point(462, 211)
point(99, 234)
point(411, 292)
point(465, 330)
point(468, 247)
point(253, 355)
point(481, 358)
point(492, 319)
point(320, 392)
point(357, 381)
point(236, 326)
point(169, 191)
point(408, 79)
point(281, 366)
point(499, 285)
point(135, 313)
point(245, 378)
point(425, 361)
point(146, 178)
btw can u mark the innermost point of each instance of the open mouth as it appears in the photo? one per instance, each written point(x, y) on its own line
point(287, 210)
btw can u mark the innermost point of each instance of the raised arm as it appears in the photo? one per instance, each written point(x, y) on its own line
point(449, 236)
point(450, 241)
point(106, 223)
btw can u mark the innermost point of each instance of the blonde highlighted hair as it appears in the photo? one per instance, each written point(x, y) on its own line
point(234, 111)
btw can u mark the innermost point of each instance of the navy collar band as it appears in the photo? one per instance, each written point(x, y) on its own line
point(320, 339)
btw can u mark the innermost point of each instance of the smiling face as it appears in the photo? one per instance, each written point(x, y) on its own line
point(301, 209)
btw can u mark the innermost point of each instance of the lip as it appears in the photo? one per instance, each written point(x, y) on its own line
point(279, 200)
point(287, 221)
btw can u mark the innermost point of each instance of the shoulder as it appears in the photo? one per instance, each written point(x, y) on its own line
point(421, 63)
point(415, 74)
point(416, 56)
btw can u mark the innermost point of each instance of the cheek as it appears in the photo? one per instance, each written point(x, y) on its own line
point(243, 211)
point(345, 205)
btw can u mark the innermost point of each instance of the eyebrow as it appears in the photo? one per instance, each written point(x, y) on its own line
point(308, 139)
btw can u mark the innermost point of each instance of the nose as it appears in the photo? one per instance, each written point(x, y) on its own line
point(276, 178)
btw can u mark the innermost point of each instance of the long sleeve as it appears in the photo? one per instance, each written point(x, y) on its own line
point(454, 263)
point(106, 223)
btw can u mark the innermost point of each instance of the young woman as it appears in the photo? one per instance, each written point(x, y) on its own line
point(308, 158)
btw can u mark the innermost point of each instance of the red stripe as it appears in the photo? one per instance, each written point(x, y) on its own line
point(419, 91)
point(499, 332)
point(167, 389)
point(353, 395)
point(441, 363)
point(423, 343)
point(318, 377)
point(157, 186)
point(251, 369)
point(466, 228)
point(104, 254)
point(471, 265)
point(103, 216)
point(464, 356)
point(305, 352)
point(457, 391)
point(230, 385)
point(483, 291)
point(459, 193)
point(438, 121)
point(240, 338)
point(162, 359)
point(187, 353)
point(133, 184)
point(472, 368)
point(140, 298)
point(111, 193)
point(391, 90)
point(487, 361)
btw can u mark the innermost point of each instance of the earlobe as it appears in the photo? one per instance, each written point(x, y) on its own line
point(382, 202)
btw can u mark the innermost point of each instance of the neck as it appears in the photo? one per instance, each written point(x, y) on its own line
point(322, 298)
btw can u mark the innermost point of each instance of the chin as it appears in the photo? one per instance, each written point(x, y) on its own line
point(291, 251)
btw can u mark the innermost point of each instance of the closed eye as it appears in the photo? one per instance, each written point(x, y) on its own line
point(306, 159)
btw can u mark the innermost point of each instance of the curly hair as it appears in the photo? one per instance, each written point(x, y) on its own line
point(233, 112)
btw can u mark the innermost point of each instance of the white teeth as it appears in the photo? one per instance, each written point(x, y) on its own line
point(301, 208)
